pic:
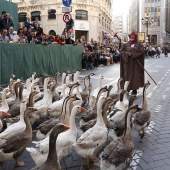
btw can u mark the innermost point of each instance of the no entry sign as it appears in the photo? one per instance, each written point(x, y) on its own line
point(67, 17)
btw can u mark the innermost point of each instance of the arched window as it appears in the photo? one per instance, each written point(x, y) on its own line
point(52, 32)
point(35, 14)
point(22, 17)
point(81, 15)
point(51, 14)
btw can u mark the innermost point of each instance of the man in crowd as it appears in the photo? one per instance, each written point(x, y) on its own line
point(131, 63)
point(5, 21)
point(11, 33)
point(69, 40)
point(28, 23)
point(4, 38)
point(34, 38)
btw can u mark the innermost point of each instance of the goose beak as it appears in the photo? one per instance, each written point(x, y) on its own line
point(83, 109)
point(66, 127)
point(5, 114)
point(56, 85)
point(138, 109)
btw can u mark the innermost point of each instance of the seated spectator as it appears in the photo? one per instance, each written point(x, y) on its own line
point(34, 38)
point(20, 37)
point(57, 39)
point(45, 41)
point(25, 31)
point(51, 39)
point(28, 35)
point(11, 33)
point(62, 38)
point(89, 60)
point(4, 38)
point(28, 23)
point(69, 40)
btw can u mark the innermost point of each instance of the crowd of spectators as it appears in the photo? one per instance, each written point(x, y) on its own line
point(32, 33)
point(98, 54)
point(95, 54)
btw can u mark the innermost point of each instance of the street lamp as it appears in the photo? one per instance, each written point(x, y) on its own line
point(147, 22)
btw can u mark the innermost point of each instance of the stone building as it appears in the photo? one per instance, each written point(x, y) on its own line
point(91, 17)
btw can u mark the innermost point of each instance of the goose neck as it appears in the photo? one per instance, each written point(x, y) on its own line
point(45, 88)
point(72, 121)
point(28, 129)
point(144, 102)
point(99, 114)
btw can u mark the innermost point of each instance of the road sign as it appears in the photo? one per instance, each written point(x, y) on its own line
point(66, 9)
point(67, 2)
point(67, 17)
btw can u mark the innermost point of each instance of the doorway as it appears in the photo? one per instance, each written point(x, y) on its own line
point(78, 34)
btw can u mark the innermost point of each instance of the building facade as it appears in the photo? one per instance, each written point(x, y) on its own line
point(167, 21)
point(91, 17)
point(154, 11)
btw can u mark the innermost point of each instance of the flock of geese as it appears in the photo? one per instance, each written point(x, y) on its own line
point(103, 135)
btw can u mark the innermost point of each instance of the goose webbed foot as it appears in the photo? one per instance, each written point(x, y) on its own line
point(19, 164)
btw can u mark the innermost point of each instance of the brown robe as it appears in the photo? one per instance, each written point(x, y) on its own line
point(130, 69)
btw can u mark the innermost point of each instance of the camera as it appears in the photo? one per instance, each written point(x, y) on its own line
point(5, 15)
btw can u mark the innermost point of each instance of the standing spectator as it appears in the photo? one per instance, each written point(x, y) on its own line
point(2, 20)
point(130, 69)
point(11, 33)
point(4, 38)
point(65, 31)
point(38, 29)
point(158, 51)
point(28, 23)
point(69, 40)
point(36, 21)
point(28, 35)
point(9, 21)
point(165, 48)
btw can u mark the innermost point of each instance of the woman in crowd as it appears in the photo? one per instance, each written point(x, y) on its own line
point(20, 37)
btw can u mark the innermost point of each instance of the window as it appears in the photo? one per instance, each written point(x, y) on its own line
point(152, 9)
point(51, 14)
point(35, 14)
point(81, 15)
point(22, 17)
point(155, 9)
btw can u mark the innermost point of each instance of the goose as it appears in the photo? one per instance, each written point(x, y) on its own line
point(45, 127)
point(85, 92)
point(42, 110)
point(90, 84)
point(52, 161)
point(11, 94)
point(33, 78)
point(16, 127)
point(93, 140)
point(42, 81)
point(55, 108)
point(59, 88)
point(27, 91)
point(15, 109)
point(45, 98)
point(12, 101)
point(92, 122)
point(142, 118)
point(94, 94)
point(4, 103)
point(66, 110)
point(115, 96)
point(14, 146)
point(118, 154)
point(63, 144)
point(2, 114)
point(119, 125)
point(125, 97)
point(93, 112)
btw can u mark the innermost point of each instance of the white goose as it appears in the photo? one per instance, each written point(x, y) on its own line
point(4, 103)
point(45, 98)
point(55, 108)
point(94, 93)
point(16, 127)
point(63, 144)
point(27, 91)
point(92, 141)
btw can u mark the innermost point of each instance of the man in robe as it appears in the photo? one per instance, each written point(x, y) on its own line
point(131, 62)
